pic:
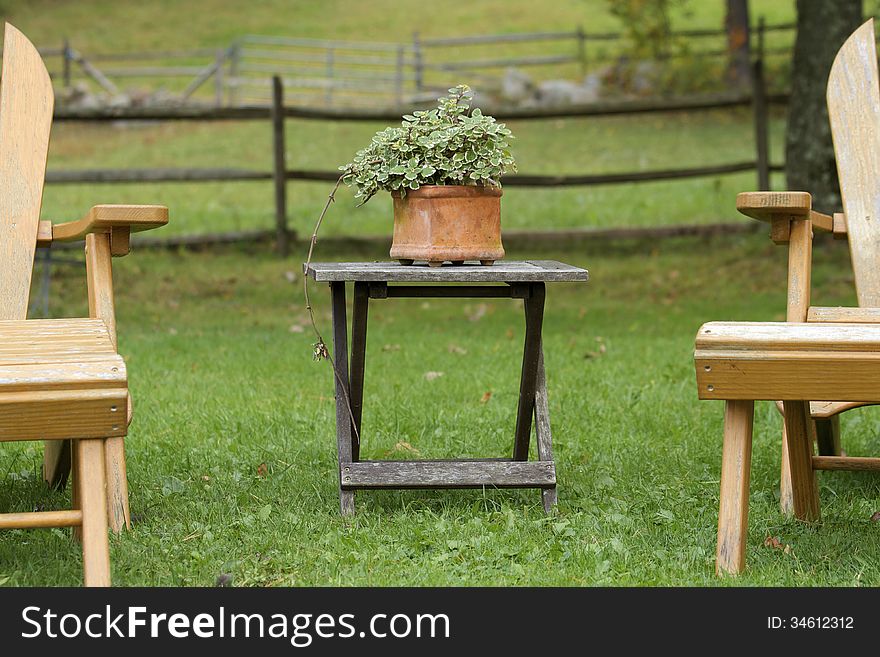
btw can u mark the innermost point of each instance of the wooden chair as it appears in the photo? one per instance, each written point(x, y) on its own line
point(61, 380)
point(820, 353)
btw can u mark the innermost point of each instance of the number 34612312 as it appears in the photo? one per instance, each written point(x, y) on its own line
point(810, 623)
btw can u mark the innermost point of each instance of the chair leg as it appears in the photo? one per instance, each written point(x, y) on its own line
point(736, 461)
point(118, 513)
point(543, 435)
point(344, 439)
point(75, 497)
point(827, 433)
point(785, 502)
point(93, 501)
point(828, 436)
point(798, 453)
point(56, 463)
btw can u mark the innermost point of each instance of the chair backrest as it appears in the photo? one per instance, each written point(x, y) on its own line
point(26, 104)
point(853, 97)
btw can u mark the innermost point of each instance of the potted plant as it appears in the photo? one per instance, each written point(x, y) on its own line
point(443, 168)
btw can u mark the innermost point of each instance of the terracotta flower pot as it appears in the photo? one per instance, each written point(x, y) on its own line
point(454, 223)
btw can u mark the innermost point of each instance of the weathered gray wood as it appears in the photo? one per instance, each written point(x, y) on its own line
point(501, 38)
point(543, 435)
point(448, 474)
point(515, 180)
point(399, 77)
point(281, 59)
point(280, 166)
point(359, 314)
point(352, 86)
point(257, 112)
point(762, 124)
point(94, 73)
point(581, 37)
point(503, 271)
point(343, 420)
point(534, 315)
point(509, 291)
point(204, 74)
point(175, 174)
point(65, 64)
point(526, 180)
point(418, 62)
point(350, 74)
point(319, 43)
point(370, 282)
point(154, 71)
point(139, 56)
point(539, 60)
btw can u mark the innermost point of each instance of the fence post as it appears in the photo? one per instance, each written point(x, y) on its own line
point(398, 76)
point(279, 174)
point(328, 94)
point(234, 64)
point(218, 77)
point(760, 108)
point(65, 63)
point(582, 48)
point(94, 73)
point(417, 62)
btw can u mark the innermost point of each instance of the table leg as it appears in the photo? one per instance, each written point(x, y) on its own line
point(534, 311)
point(358, 357)
point(542, 431)
point(343, 392)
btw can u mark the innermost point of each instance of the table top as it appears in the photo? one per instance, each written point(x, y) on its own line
point(503, 271)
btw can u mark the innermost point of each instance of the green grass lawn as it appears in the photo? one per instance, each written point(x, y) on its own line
point(219, 359)
point(232, 451)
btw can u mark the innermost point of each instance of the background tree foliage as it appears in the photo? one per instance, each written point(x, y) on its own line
point(647, 26)
point(822, 27)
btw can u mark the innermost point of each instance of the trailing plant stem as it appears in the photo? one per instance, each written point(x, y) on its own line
point(320, 348)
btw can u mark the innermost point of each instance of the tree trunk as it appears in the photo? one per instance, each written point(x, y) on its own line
point(822, 27)
point(736, 24)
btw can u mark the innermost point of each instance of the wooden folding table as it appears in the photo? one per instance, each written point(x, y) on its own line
point(386, 280)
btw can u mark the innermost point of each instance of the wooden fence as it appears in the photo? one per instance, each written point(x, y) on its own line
point(345, 74)
point(276, 114)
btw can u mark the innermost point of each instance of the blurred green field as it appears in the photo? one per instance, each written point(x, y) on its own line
point(110, 25)
point(564, 146)
point(572, 146)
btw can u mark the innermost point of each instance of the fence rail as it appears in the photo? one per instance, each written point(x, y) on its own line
point(512, 180)
point(280, 174)
point(324, 72)
point(260, 112)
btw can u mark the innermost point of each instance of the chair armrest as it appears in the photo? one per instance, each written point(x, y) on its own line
point(838, 226)
point(44, 234)
point(764, 206)
point(118, 220)
point(779, 208)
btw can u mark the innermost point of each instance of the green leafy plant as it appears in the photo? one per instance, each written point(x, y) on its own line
point(448, 145)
